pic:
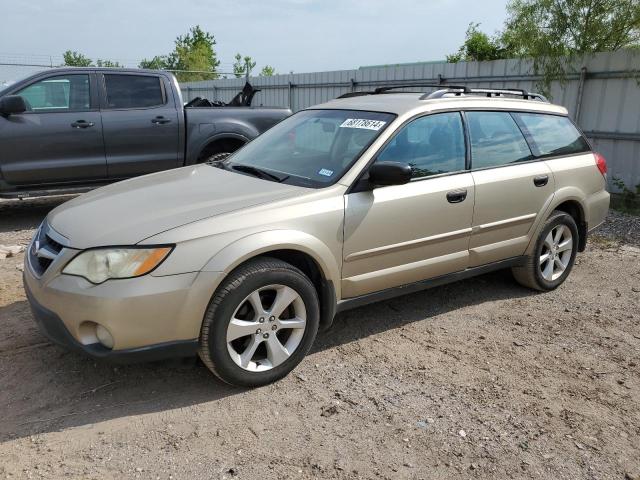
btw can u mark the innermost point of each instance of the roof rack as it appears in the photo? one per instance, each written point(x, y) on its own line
point(488, 92)
point(456, 90)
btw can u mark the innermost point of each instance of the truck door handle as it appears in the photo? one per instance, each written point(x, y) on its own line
point(82, 124)
point(456, 196)
point(160, 120)
point(540, 180)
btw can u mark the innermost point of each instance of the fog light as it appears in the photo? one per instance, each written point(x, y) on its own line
point(104, 337)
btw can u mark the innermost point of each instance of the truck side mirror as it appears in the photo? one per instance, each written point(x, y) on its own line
point(11, 105)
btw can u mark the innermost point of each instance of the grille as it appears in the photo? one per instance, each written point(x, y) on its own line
point(43, 251)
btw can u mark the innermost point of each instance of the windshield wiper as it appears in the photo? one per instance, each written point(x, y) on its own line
point(260, 173)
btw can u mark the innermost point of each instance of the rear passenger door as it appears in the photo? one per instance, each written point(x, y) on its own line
point(140, 124)
point(512, 187)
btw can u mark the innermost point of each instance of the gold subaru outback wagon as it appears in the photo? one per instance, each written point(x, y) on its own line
point(368, 196)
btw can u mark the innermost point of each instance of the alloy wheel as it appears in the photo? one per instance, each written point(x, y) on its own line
point(266, 328)
point(556, 252)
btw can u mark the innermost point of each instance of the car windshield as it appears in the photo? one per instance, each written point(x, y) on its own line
point(312, 148)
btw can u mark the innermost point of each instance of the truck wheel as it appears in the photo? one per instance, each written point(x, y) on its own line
point(553, 256)
point(216, 158)
point(260, 323)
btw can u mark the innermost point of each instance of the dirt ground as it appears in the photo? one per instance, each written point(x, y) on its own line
point(479, 379)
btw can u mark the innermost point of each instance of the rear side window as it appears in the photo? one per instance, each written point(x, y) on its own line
point(133, 91)
point(496, 140)
point(551, 135)
point(431, 145)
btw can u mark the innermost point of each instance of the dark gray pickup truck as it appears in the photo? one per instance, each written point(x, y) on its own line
point(72, 129)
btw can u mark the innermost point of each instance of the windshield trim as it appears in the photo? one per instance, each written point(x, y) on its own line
point(305, 182)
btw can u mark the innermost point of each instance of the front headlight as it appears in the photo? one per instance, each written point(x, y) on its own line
point(101, 264)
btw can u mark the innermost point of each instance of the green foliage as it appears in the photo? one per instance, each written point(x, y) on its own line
point(554, 33)
point(159, 62)
point(478, 47)
point(627, 200)
point(108, 64)
point(194, 51)
point(267, 71)
point(76, 59)
point(243, 66)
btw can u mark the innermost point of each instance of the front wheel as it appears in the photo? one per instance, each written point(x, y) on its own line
point(553, 256)
point(260, 323)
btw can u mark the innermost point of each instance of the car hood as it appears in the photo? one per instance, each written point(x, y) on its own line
point(127, 212)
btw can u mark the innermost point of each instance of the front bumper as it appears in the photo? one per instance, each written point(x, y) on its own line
point(149, 317)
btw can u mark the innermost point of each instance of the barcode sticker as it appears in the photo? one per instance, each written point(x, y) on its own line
point(363, 123)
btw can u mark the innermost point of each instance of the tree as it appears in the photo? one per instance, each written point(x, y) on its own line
point(194, 57)
point(478, 47)
point(556, 32)
point(267, 71)
point(243, 66)
point(159, 62)
point(108, 63)
point(76, 59)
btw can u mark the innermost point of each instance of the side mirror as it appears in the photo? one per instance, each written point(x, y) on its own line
point(11, 105)
point(389, 173)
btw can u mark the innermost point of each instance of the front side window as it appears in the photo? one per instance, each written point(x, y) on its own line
point(431, 145)
point(63, 93)
point(552, 134)
point(312, 148)
point(133, 91)
point(496, 140)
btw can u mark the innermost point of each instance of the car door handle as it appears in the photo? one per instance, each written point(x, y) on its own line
point(82, 124)
point(540, 180)
point(456, 196)
point(160, 120)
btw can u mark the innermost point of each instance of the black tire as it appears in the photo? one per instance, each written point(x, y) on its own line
point(216, 157)
point(240, 283)
point(530, 274)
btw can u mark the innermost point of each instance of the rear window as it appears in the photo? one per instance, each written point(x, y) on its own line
point(133, 91)
point(551, 135)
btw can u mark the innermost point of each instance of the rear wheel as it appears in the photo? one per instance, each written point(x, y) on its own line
point(260, 323)
point(553, 256)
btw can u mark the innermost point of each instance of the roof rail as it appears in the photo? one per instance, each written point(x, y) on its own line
point(489, 92)
point(456, 90)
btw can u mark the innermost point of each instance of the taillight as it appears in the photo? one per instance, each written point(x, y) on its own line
point(601, 163)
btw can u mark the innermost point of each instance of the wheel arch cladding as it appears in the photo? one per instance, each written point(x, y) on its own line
point(574, 208)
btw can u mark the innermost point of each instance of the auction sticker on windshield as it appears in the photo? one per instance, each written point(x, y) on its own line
point(363, 123)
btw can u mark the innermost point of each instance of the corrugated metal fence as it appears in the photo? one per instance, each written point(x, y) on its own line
point(603, 94)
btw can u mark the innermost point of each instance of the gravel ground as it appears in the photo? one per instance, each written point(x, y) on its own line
point(478, 379)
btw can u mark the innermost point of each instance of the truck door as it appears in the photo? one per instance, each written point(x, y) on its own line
point(59, 138)
point(140, 124)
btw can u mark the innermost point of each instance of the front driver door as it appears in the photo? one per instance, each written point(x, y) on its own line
point(59, 138)
point(400, 234)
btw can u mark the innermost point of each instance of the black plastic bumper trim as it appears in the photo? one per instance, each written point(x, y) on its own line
point(54, 329)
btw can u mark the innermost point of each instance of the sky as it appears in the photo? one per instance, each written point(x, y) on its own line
point(290, 35)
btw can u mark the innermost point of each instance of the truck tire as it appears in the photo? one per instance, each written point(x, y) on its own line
point(553, 256)
point(260, 323)
point(216, 157)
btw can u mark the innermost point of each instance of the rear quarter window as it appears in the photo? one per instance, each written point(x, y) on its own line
point(551, 135)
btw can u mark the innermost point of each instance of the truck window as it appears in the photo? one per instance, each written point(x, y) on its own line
point(551, 134)
point(63, 93)
point(133, 91)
